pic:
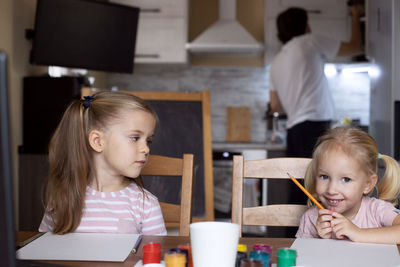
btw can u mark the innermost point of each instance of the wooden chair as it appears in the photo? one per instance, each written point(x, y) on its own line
point(270, 215)
point(175, 215)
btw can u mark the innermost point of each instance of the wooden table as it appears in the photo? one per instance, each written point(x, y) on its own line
point(167, 242)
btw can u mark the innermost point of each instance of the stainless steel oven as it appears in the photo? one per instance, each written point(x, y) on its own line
point(222, 168)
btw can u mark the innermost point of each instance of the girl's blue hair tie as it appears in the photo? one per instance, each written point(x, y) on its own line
point(379, 155)
point(87, 100)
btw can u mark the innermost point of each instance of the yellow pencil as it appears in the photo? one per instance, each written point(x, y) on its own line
point(306, 192)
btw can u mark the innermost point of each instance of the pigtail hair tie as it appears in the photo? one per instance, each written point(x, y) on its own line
point(379, 155)
point(87, 100)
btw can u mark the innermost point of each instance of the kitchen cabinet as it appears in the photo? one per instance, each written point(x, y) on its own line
point(158, 8)
point(161, 40)
point(162, 30)
point(315, 8)
point(33, 170)
point(329, 17)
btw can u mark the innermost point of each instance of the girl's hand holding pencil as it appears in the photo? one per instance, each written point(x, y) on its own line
point(323, 225)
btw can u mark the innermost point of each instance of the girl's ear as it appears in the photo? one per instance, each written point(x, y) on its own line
point(370, 184)
point(96, 140)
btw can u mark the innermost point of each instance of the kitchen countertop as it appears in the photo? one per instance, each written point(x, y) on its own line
point(218, 146)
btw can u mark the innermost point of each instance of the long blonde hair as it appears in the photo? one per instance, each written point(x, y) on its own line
point(71, 158)
point(362, 147)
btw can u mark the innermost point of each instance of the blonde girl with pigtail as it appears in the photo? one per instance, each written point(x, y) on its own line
point(343, 176)
point(96, 155)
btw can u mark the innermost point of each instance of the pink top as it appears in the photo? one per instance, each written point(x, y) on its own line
point(373, 213)
point(118, 212)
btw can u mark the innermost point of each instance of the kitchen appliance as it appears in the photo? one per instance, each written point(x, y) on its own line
point(222, 168)
point(276, 126)
point(227, 35)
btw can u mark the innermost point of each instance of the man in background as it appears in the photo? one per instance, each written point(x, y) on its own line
point(298, 83)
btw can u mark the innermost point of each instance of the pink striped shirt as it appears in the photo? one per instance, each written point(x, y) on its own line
point(117, 212)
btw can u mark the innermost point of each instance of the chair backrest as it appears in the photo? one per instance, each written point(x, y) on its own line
point(175, 214)
point(274, 168)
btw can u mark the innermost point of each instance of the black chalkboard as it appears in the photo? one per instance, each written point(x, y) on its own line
point(184, 127)
point(179, 131)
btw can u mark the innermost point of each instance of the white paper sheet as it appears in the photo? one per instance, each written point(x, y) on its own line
point(79, 247)
point(314, 252)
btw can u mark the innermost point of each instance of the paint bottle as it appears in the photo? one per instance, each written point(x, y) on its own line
point(189, 250)
point(264, 248)
point(183, 251)
point(286, 257)
point(151, 253)
point(241, 254)
point(175, 259)
point(261, 256)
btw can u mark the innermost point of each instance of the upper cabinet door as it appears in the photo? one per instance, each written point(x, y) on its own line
point(159, 8)
point(315, 8)
point(162, 30)
point(161, 41)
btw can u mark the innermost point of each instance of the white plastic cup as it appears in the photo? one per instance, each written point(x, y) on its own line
point(214, 243)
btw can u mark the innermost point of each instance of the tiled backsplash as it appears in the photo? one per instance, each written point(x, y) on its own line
point(240, 87)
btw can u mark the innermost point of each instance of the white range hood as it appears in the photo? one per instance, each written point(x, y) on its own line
point(226, 36)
